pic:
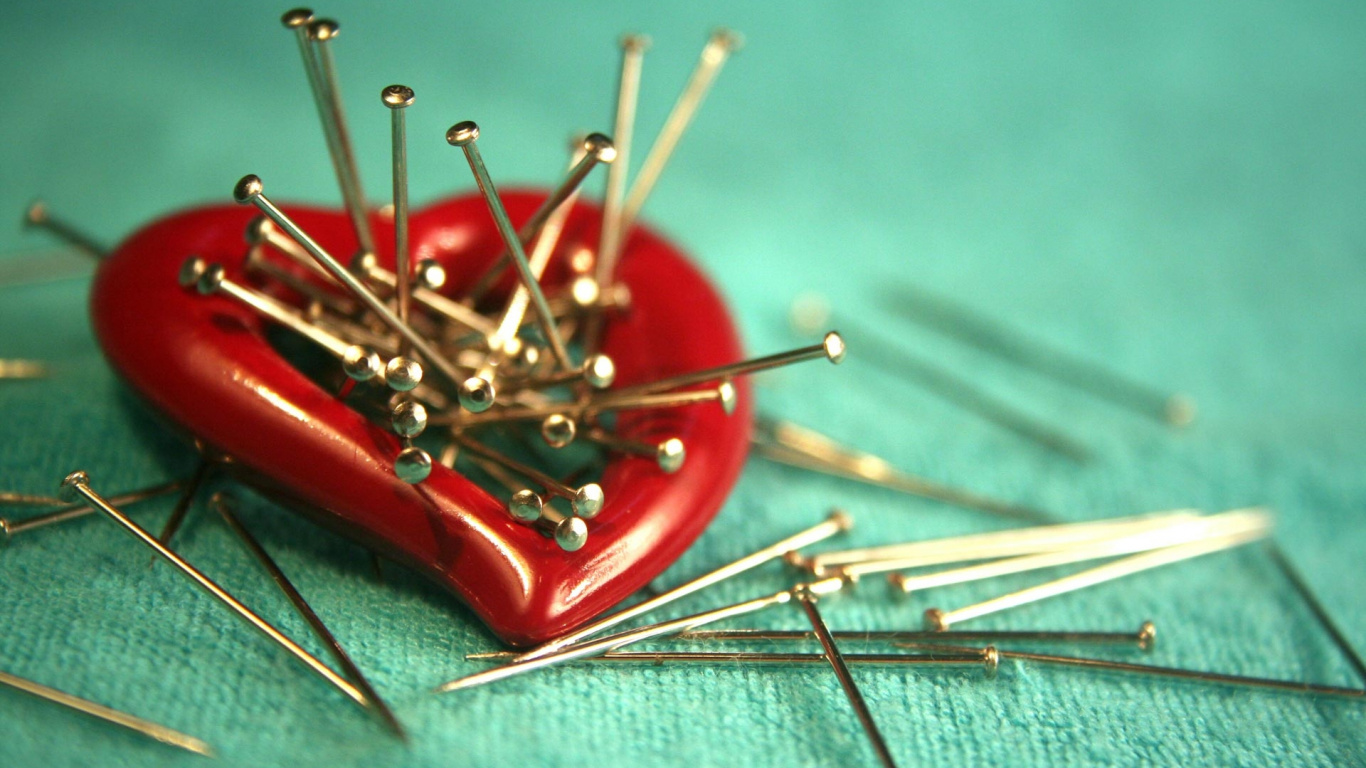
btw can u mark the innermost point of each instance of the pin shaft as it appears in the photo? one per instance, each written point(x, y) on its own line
point(831, 348)
point(79, 510)
point(39, 216)
point(623, 130)
point(1141, 638)
point(751, 657)
point(182, 504)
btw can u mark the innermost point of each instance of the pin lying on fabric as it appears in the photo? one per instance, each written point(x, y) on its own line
point(10, 528)
point(13, 368)
point(1144, 639)
point(39, 216)
point(797, 446)
point(145, 727)
point(658, 658)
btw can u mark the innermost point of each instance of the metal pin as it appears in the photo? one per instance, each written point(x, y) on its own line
point(938, 619)
point(305, 611)
point(751, 657)
point(38, 215)
point(366, 265)
point(398, 98)
point(10, 528)
point(251, 190)
point(12, 498)
point(669, 454)
point(570, 532)
point(586, 500)
point(1317, 608)
point(145, 727)
point(1145, 638)
point(723, 394)
point(313, 36)
point(465, 136)
point(257, 262)
point(182, 504)
point(77, 484)
point(623, 639)
point(807, 601)
point(837, 522)
point(985, 546)
point(591, 150)
point(722, 44)
point(623, 128)
point(788, 443)
point(967, 326)
point(1187, 532)
point(209, 279)
point(12, 368)
point(261, 231)
point(598, 371)
point(831, 348)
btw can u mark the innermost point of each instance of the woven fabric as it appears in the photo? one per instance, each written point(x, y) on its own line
point(1175, 191)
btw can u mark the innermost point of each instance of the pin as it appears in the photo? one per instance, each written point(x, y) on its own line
point(831, 348)
point(250, 190)
point(633, 49)
point(367, 266)
point(77, 484)
point(722, 44)
point(413, 465)
point(361, 364)
point(586, 500)
point(965, 325)
point(313, 36)
point(598, 371)
point(1316, 607)
point(788, 443)
point(985, 546)
point(409, 419)
point(669, 454)
point(1186, 532)
point(38, 215)
point(22, 369)
point(588, 152)
point(28, 500)
point(569, 531)
point(750, 657)
point(1145, 638)
point(807, 600)
point(261, 231)
point(465, 136)
point(145, 727)
point(623, 639)
point(182, 504)
point(209, 279)
point(398, 98)
point(937, 619)
point(724, 394)
point(329, 641)
point(257, 262)
point(11, 528)
point(837, 522)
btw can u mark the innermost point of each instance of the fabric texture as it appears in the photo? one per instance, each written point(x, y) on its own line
point(1174, 191)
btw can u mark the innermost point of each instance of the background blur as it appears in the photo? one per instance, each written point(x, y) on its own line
point(1175, 191)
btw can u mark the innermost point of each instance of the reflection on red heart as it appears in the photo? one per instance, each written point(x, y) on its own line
point(205, 362)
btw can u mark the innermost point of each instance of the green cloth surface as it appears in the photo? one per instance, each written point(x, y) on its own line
point(1174, 190)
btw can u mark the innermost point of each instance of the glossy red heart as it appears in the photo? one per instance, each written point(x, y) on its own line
point(205, 363)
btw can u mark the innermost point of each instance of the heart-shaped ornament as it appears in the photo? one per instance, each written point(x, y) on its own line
point(208, 364)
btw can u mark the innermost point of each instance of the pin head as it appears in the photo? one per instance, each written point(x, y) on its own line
point(248, 189)
point(599, 371)
point(991, 660)
point(323, 29)
point(727, 392)
point(728, 39)
point(397, 96)
point(257, 229)
point(670, 455)
point(190, 271)
point(36, 213)
point(558, 430)
point(413, 465)
point(601, 147)
point(361, 364)
point(462, 133)
point(210, 279)
point(297, 17)
point(476, 394)
point(934, 620)
point(635, 42)
point(71, 482)
point(588, 501)
point(526, 505)
point(585, 291)
point(430, 274)
point(409, 418)
point(571, 534)
point(364, 263)
point(842, 519)
point(402, 374)
point(1147, 636)
point(834, 347)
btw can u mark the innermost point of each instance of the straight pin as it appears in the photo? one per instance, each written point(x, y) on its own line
point(751, 657)
point(77, 484)
point(837, 522)
point(11, 368)
point(797, 446)
point(831, 348)
point(11, 498)
point(251, 190)
point(429, 299)
point(209, 279)
point(723, 394)
point(257, 262)
point(1317, 608)
point(465, 135)
point(1145, 638)
point(398, 98)
point(329, 641)
point(182, 504)
point(586, 500)
point(38, 216)
point(145, 727)
point(668, 454)
point(11, 528)
point(633, 49)
point(807, 601)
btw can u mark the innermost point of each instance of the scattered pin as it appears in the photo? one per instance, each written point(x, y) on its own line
point(1316, 607)
point(633, 49)
point(28, 500)
point(669, 454)
point(1145, 638)
point(831, 348)
point(11, 368)
point(38, 216)
point(752, 657)
point(11, 528)
point(145, 727)
point(182, 504)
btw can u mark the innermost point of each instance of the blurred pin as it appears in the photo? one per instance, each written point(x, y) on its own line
point(11, 368)
point(831, 348)
point(586, 500)
point(633, 49)
point(37, 215)
point(67, 512)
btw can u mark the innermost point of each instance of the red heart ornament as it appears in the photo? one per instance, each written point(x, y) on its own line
point(206, 364)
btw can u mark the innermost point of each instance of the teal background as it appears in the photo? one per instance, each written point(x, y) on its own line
point(1173, 188)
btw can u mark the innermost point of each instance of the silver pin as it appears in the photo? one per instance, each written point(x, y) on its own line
point(262, 231)
point(38, 215)
point(67, 512)
point(1144, 639)
point(1126, 566)
point(831, 348)
point(569, 531)
point(669, 454)
point(837, 522)
point(368, 267)
point(145, 727)
point(28, 499)
point(413, 465)
point(209, 279)
point(586, 500)
point(465, 135)
point(956, 659)
point(250, 190)
point(257, 262)
point(182, 504)
point(398, 98)
point(723, 393)
point(623, 639)
point(628, 94)
point(77, 485)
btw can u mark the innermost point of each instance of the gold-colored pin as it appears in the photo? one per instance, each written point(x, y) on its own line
point(37, 215)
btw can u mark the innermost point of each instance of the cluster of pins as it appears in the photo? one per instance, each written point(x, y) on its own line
point(420, 359)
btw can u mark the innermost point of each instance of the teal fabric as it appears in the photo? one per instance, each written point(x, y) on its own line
point(1174, 189)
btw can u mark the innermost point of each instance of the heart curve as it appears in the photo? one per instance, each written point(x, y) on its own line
point(205, 363)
